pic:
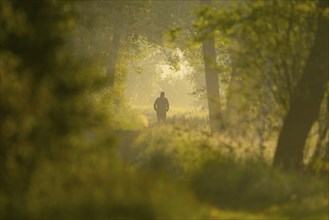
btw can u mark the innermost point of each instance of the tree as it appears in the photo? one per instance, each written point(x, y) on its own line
point(269, 45)
point(106, 28)
point(44, 94)
point(306, 100)
point(211, 75)
point(212, 85)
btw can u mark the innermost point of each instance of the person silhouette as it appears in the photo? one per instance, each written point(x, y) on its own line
point(161, 106)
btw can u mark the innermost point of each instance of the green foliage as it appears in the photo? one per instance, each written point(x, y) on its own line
point(251, 185)
point(89, 182)
point(64, 153)
point(170, 148)
point(46, 106)
point(267, 45)
point(218, 177)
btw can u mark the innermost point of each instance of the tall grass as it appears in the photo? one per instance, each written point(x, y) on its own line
point(173, 170)
point(218, 175)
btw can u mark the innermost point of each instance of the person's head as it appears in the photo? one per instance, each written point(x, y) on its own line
point(162, 94)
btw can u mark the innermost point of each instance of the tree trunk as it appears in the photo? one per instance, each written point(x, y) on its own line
point(212, 84)
point(305, 101)
point(114, 54)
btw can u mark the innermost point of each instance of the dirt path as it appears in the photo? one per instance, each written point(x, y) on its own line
point(125, 139)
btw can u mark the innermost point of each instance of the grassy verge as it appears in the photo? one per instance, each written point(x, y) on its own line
point(227, 182)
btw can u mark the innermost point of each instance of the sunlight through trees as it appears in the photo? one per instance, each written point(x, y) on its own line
point(246, 135)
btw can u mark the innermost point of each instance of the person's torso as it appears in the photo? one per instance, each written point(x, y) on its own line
point(161, 103)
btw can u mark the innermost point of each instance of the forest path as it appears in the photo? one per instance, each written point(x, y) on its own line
point(125, 139)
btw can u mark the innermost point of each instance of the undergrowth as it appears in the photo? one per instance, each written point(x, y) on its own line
point(217, 176)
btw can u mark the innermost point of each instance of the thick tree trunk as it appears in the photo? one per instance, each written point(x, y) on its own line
point(212, 84)
point(305, 101)
point(114, 54)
